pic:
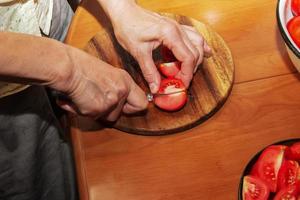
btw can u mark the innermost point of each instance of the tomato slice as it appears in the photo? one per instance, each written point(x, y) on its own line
point(295, 6)
point(288, 193)
point(293, 27)
point(288, 174)
point(167, 54)
point(293, 152)
point(268, 164)
point(254, 189)
point(171, 95)
point(169, 69)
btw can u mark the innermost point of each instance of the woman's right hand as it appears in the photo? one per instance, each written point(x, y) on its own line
point(97, 89)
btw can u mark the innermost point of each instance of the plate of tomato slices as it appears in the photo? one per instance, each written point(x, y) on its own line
point(288, 19)
point(273, 173)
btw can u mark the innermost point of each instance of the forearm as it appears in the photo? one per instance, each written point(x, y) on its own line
point(33, 60)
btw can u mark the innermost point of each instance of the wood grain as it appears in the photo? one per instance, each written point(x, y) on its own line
point(209, 89)
point(206, 161)
point(202, 163)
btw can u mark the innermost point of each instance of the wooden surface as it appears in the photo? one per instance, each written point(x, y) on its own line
point(209, 89)
point(204, 162)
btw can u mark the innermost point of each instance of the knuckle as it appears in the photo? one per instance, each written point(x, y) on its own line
point(94, 107)
point(123, 85)
point(200, 40)
point(111, 98)
point(123, 75)
point(97, 109)
point(170, 28)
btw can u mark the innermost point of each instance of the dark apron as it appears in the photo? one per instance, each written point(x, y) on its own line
point(35, 162)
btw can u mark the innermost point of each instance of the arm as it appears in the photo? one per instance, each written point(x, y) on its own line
point(94, 87)
point(5, 1)
point(33, 60)
point(141, 31)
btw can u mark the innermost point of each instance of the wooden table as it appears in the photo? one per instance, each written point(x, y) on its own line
point(204, 162)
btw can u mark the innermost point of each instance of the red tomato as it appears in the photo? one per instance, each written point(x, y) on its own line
point(169, 69)
point(167, 54)
point(288, 193)
point(171, 95)
point(293, 152)
point(293, 27)
point(295, 6)
point(288, 174)
point(268, 164)
point(254, 189)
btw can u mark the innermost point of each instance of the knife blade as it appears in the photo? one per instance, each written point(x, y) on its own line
point(151, 96)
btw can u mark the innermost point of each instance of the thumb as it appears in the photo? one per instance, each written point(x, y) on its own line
point(149, 71)
point(136, 100)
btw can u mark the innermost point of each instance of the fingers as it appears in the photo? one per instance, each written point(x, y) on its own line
point(197, 53)
point(115, 113)
point(149, 70)
point(172, 38)
point(199, 43)
point(136, 100)
point(189, 47)
point(197, 39)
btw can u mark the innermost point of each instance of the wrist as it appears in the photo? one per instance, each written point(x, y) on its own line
point(115, 9)
point(64, 75)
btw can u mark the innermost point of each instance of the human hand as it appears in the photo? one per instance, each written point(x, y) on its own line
point(140, 31)
point(97, 89)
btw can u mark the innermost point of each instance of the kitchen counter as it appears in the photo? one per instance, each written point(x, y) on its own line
point(204, 162)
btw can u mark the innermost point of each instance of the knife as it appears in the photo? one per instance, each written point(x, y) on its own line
point(150, 96)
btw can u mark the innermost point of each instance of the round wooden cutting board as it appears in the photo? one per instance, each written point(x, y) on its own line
point(209, 90)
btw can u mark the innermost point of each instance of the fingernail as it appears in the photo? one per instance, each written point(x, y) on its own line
point(153, 87)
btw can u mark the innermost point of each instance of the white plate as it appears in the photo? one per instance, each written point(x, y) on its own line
point(284, 14)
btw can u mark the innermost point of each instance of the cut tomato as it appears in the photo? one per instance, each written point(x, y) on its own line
point(254, 189)
point(169, 69)
point(171, 95)
point(268, 164)
point(295, 6)
point(288, 193)
point(167, 54)
point(293, 27)
point(293, 152)
point(288, 174)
